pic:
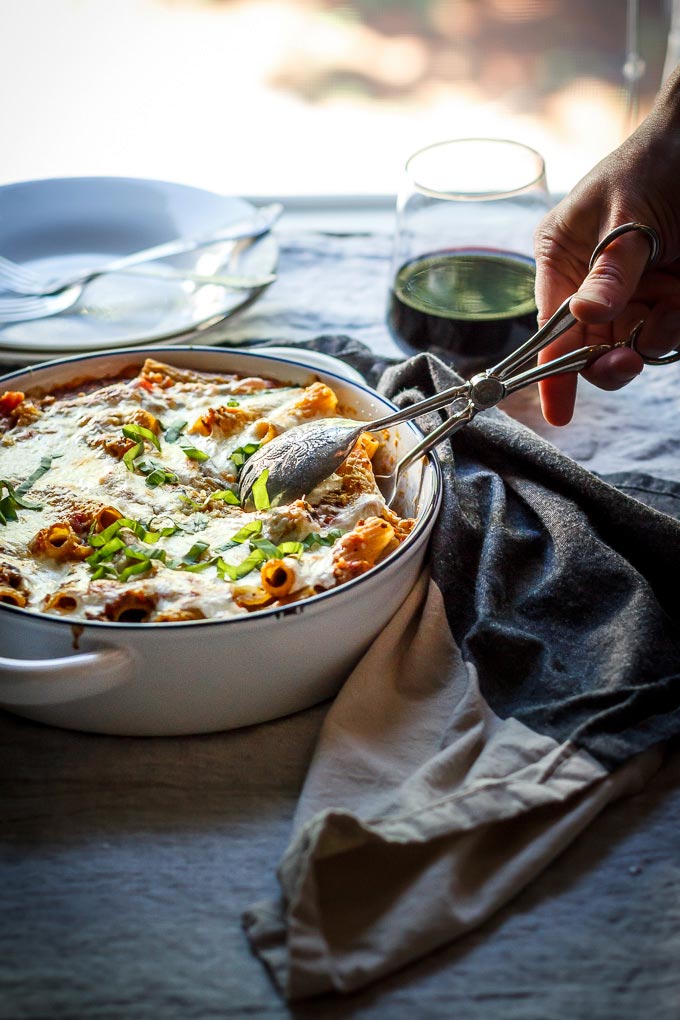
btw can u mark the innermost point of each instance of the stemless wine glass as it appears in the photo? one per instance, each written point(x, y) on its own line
point(463, 270)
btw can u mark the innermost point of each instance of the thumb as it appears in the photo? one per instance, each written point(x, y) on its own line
point(613, 280)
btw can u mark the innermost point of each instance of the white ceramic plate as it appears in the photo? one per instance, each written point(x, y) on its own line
point(71, 223)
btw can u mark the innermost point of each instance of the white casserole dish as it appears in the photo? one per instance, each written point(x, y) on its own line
point(206, 675)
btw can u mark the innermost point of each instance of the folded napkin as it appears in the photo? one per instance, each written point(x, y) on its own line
point(530, 678)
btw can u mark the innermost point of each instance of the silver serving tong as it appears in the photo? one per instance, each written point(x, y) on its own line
point(298, 460)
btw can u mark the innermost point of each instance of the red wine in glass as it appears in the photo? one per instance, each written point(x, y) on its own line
point(469, 305)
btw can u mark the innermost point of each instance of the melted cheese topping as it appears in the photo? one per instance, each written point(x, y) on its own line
point(118, 501)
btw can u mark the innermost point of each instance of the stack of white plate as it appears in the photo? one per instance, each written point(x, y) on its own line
point(67, 224)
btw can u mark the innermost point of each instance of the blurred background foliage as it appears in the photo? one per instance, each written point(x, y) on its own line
point(308, 97)
point(523, 51)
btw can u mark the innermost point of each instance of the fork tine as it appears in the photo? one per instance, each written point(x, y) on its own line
point(20, 308)
point(19, 303)
point(14, 306)
point(13, 274)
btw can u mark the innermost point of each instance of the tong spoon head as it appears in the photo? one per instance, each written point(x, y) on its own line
point(298, 460)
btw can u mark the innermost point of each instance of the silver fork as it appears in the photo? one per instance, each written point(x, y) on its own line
point(155, 272)
point(23, 280)
point(20, 309)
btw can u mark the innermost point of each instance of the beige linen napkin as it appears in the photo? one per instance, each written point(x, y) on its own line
point(423, 812)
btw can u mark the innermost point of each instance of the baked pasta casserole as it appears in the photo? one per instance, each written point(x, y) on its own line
point(118, 500)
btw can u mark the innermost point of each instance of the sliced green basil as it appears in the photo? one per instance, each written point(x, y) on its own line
point(317, 539)
point(108, 550)
point(135, 568)
point(259, 491)
point(236, 571)
point(196, 553)
point(193, 453)
point(174, 431)
point(104, 570)
point(131, 456)
point(241, 454)
point(43, 468)
point(133, 553)
point(133, 431)
point(242, 535)
point(271, 551)
point(189, 501)
point(11, 500)
point(197, 522)
point(196, 568)
point(100, 538)
point(226, 496)
point(159, 476)
point(291, 549)
point(155, 473)
point(195, 560)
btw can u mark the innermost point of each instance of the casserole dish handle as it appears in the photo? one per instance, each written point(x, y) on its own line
point(69, 678)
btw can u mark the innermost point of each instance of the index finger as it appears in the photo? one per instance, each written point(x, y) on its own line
point(604, 294)
point(557, 394)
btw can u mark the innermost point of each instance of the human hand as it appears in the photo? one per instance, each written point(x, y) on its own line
point(639, 182)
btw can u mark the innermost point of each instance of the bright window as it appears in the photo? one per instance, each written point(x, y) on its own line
point(311, 96)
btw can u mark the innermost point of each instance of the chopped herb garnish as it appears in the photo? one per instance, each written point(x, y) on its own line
point(291, 549)
point(135, 568)
point(106, 552)
point(270, 550)
point(43, 468)
point(174, 431)
point(100, 538)
point(241, 454)
point(155, 473)
point(227, 496)
point(197, 522)
point(196, 568)
point(243, 534)
point(197, 552)
point(155, 531)
point(239, 570)
point(259, 491)
point(193, 453)
point(112, 556)
point(316, 539)
point(159, 476)
point(132, 431)
point(11, 500)
point(189, 501)
point(131, 456)
point(261, 549)
point(104, 570)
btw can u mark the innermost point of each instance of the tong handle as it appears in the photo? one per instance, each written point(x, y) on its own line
point(558, 323)
point(573, 361)
point(443, 431)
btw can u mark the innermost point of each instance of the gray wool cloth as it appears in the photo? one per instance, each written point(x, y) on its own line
point(531, 678)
